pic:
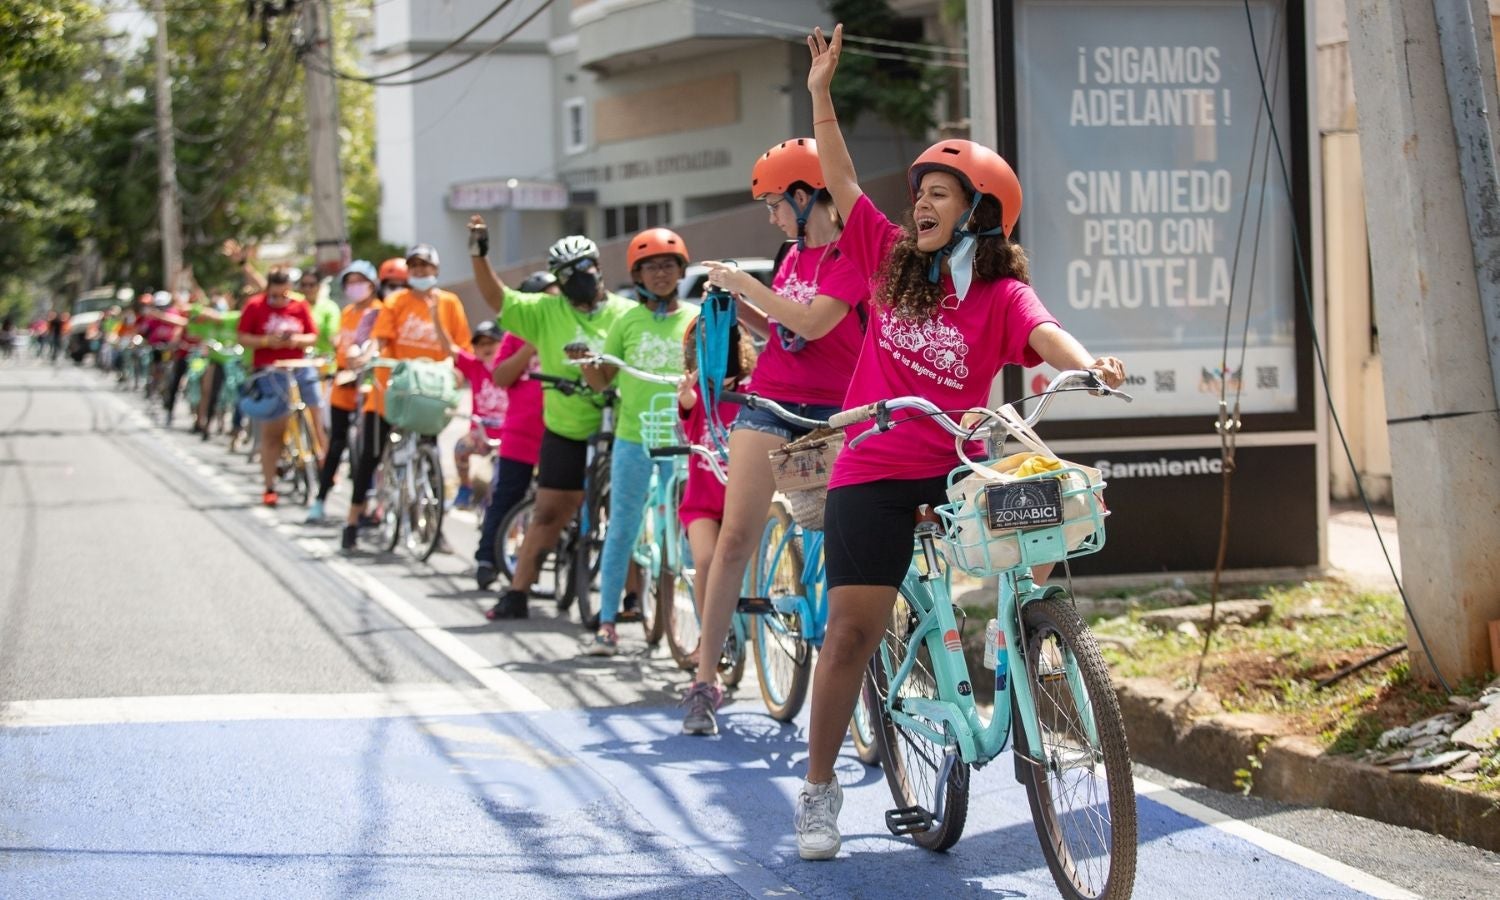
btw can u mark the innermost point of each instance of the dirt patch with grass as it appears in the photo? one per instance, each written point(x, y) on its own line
point(1315, 630)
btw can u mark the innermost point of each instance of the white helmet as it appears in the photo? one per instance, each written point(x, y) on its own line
point(161, 298)
point(569, 250)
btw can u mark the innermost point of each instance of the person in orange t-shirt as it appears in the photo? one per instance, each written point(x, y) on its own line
point(420, 322)
point(356, 323)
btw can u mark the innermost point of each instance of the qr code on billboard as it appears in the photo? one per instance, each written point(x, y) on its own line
point(1166, 381)
point(1268, 378)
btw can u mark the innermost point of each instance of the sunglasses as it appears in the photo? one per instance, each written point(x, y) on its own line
point(582, 265)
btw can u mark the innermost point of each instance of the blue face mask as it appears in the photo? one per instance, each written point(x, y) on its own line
point(422, 283)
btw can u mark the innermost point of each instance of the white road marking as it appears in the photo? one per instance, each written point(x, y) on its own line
point(399, 701)
point(515, 696)
point(1293, 853)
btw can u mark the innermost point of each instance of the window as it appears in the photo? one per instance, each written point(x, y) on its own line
point(627, 220)
point(575, 140)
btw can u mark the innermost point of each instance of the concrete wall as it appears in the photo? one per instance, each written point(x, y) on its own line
point(1351, 343)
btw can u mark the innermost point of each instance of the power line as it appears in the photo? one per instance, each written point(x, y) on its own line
point(477, 54)
point(371, 79)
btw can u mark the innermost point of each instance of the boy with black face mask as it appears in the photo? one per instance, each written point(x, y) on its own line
point(583, 314)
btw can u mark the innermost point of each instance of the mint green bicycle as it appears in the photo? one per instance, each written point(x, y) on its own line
point(1052, 687)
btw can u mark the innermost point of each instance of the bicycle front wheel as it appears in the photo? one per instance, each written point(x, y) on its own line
point(1078, 782)
point(389, 499)
point(682, 627)
point(783, 657)
point(426, 503)
point(913, 762)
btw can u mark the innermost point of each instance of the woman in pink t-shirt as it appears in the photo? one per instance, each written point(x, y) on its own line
point(950, 307)
point(813, 320)
point(701, 511)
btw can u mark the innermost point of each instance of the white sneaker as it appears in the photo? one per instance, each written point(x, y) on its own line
point(817, 819)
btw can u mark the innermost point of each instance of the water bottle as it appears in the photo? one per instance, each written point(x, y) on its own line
point(994, 652)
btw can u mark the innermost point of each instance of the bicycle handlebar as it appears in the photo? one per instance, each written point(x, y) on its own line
point(607, 360)
point(755, 401)
point(708, 456)
point(880, 410)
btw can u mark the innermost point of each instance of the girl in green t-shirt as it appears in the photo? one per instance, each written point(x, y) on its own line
point(648, 337)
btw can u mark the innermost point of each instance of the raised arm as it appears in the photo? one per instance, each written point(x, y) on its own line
point(510, 369)
point(490, 285)
point(833, 154)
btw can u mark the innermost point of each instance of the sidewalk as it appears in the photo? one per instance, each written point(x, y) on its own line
point(1354, 550)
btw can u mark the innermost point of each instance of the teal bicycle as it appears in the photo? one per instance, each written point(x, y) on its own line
point(1052, 689)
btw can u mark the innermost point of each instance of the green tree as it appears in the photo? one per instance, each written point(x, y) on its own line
point(898, 86)
point(44, 114)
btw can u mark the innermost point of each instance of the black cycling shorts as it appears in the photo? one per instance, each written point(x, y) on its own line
point(869, 529)
point(563, 462)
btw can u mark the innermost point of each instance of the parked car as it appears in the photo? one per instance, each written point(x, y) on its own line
point(83, 322)
point(692, 285)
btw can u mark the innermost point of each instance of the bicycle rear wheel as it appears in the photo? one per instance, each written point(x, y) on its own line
point(862, 725)
point(914, 763)
point(1078, 782)
point(783, 658)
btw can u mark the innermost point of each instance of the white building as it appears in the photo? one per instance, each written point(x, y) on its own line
point(596, 116)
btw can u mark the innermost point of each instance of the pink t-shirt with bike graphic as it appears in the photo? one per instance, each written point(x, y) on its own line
point(819, 371)
point(950, 359)
point(488, 400)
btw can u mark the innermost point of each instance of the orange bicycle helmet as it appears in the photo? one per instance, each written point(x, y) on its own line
point(655, 242)
point(981, 170)
point(784, 165)
point(393, 269)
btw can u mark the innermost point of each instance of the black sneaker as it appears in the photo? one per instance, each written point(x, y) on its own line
point(485, 575)
point(350, 539)
point(511, 605)
point(630, 608)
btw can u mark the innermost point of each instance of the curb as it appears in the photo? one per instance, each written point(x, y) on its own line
point(1181, 733)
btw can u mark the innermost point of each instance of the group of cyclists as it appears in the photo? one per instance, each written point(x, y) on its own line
point(860, 309)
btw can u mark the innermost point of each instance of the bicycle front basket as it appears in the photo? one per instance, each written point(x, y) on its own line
point(993, 526)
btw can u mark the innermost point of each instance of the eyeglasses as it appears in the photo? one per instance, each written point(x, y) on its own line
point(771, 205)
point(582, 265)
point(659, 266)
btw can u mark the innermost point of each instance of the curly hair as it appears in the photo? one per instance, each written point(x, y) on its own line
point(904, 288)
point(745, 358)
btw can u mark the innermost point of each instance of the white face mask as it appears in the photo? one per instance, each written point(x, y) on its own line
point(357, 291)
point(423, 283)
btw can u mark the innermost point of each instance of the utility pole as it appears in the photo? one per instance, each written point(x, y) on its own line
point(166, 161)
point(1425, 86)
point(323, 137)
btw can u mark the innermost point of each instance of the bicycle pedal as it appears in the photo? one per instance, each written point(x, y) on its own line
point(908, 820)
point(755, 606)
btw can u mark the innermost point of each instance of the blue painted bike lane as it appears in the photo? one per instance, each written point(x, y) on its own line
point(580, 803)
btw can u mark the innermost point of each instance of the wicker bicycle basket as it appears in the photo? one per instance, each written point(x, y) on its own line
point(801, 470)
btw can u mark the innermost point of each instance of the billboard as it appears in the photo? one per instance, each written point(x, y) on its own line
point(1157, 217)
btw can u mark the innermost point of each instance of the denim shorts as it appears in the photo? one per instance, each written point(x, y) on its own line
point(309, 385)
point(765, 421)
